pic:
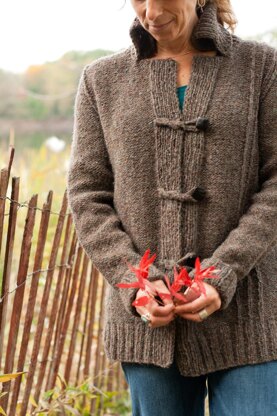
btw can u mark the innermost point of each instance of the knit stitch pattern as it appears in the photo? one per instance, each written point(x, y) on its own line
point(202, 180)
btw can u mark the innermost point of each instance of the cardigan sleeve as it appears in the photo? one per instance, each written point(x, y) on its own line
point(256, 232)
point(90, 196)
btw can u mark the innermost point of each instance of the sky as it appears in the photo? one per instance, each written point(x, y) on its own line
point(36, 31)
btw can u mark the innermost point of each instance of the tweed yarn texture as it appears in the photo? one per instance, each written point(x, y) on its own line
point(198, 181)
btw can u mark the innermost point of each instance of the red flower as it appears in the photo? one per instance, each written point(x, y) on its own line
point(180, 279)
point(142, 273)
point(183, 279)
point(142, 301)
point(144, 264)
point(200, 275)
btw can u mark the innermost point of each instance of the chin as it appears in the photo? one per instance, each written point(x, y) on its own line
point(166, 36)
point(161, 37)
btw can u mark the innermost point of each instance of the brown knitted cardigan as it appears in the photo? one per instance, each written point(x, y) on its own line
point(198, 181)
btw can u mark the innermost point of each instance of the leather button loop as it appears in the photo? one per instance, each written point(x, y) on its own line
point(189, 261)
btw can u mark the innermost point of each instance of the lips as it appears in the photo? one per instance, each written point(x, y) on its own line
point(160, 26)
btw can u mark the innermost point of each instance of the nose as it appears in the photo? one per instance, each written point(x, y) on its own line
point(153, 10)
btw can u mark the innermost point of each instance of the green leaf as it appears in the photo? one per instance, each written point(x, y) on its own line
point(2, 411)
point(8, 377)
point(62, 380)
point(32, 401)
point(49, 393)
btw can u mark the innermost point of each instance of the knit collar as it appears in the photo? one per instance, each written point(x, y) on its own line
point(208, 34)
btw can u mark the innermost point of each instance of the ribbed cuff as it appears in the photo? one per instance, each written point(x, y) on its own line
point(225, 284)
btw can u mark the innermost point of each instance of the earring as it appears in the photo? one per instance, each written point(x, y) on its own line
point(199, 7)
point(201, 4)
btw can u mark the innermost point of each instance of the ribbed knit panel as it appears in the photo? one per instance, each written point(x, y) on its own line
point(169, 148)
point(205, 348)
point(204, 72)
point(134, 343)
point(180, 153)
point(201, 348)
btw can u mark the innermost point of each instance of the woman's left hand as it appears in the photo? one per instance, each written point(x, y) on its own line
point(211, 302)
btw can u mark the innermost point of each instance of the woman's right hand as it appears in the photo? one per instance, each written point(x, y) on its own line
point(161, 315)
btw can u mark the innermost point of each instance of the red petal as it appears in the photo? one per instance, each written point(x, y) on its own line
point(184, 277)
point(179, 279)
point(197, 264)
point(127, 285)
point(142, 301)
point(164, 295)
point(150, 260)
point(207, 270)
point(145, 261)
point(201, 286)
point(145, 257)
point(210, 276)
point(176, 274)
point(180, 297)
point(141, 281)
point(176, 286)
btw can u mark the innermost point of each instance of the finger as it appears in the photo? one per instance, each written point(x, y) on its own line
point(211, 296)
point(178, 302)
point(156, 321)
point(195, 317)
point(160, 311)
point(141, 310)
point(162, 288)
point(192, 317)
point(155, 309)
point(160, 321)
point(193, 306)
point(168, 301)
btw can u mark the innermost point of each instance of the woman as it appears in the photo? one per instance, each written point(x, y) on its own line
point(189, 179)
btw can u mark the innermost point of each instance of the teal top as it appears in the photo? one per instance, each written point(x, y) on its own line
point(181, 95)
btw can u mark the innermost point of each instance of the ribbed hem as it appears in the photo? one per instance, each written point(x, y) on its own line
point(200, 348)
point(218, 346)
point(139, 343)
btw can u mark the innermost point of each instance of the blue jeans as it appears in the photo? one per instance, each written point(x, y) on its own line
point(249, 390)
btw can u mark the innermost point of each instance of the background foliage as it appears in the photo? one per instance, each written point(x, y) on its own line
point(47, 91)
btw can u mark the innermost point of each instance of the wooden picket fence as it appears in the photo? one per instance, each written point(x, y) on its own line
point(51, 318)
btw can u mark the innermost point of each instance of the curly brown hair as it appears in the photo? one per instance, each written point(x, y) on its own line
point(225, 13)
